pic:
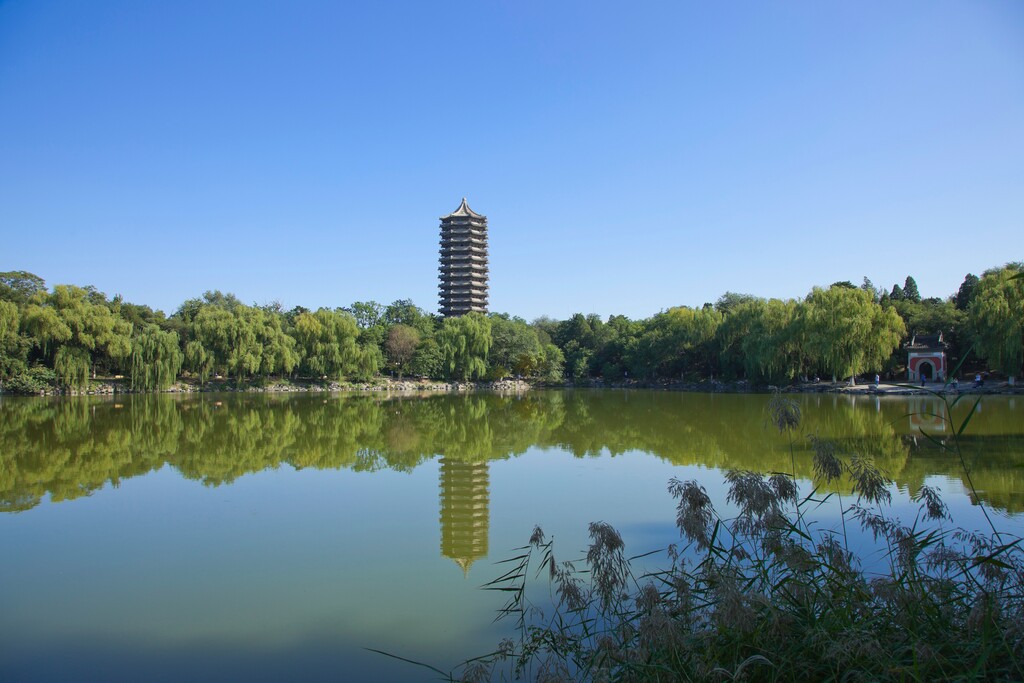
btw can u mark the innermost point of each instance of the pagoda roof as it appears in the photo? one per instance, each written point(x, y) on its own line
point(463, 212)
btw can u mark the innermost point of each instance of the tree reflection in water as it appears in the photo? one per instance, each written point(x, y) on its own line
point(69, 448)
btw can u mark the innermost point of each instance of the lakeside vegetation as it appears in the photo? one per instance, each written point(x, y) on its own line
point(65, 336)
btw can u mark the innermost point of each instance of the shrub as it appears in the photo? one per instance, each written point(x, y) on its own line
point(32, 381)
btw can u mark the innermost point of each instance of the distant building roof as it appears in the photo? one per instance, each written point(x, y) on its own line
point(464, 212)
point(925, 342)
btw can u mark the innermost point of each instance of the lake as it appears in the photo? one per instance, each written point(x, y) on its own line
point(260, 537)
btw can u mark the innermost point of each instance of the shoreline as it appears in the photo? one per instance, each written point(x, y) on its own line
point(120, 386)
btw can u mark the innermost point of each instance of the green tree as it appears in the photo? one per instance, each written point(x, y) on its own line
point(464, 342)
point(427, 360)
point(19, 286)
point(965, 295)
point(552, 365)
point(156, 359)
point(213, 328)
point(869, 287)
point(369, 361)
point(678, 340)
point(910, 292)
point(13, 345)
point(773, 346)
point(405, 312)
point(997, 317)
point(367, 314)
point(847, 333)
point(401, 346)
point(279, 355)
point(235, 339)
point(734, 329)
point(619, 334)
point(79, 320)
point(327, 343)
point(72, 363)
point(582, 339)
point(514, 347)
point(198, 360)
point(139, 316)
point(731, 300)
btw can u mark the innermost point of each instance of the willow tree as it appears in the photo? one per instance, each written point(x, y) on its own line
point(279, 356)
point(686, 336)
point(369, 360)
point(997, 316)
point(213, 328)
point(847, 333)
point(739, 319)
point(464, 342)
point(198, 360)
point(773, 346)
point(245, 353)
point(71, 365)
point(78, 327)
point(13, 345)
point(45, 327)
point(156, 359)
point(326, 343)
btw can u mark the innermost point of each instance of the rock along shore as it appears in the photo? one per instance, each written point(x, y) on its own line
point(108, 387)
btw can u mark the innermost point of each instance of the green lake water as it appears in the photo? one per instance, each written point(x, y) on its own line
point(263, 537)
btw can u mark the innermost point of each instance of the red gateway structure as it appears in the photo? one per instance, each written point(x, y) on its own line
point(926, 357)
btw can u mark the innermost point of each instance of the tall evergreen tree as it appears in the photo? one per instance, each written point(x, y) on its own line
point(868, 286)
point(965, 295)
point(910, 292)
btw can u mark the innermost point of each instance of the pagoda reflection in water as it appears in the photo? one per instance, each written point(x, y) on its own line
point(465, 514)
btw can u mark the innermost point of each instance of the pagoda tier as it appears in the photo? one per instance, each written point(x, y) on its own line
point(463, 269)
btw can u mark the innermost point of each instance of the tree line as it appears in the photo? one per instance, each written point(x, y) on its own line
point(68, 335)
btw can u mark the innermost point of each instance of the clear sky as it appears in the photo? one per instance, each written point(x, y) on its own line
point(629, 156)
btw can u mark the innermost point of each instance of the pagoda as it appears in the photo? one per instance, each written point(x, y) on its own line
point(465, 511)
point(463, 271)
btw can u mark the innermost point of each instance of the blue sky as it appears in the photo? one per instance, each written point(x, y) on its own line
point(629, 157)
